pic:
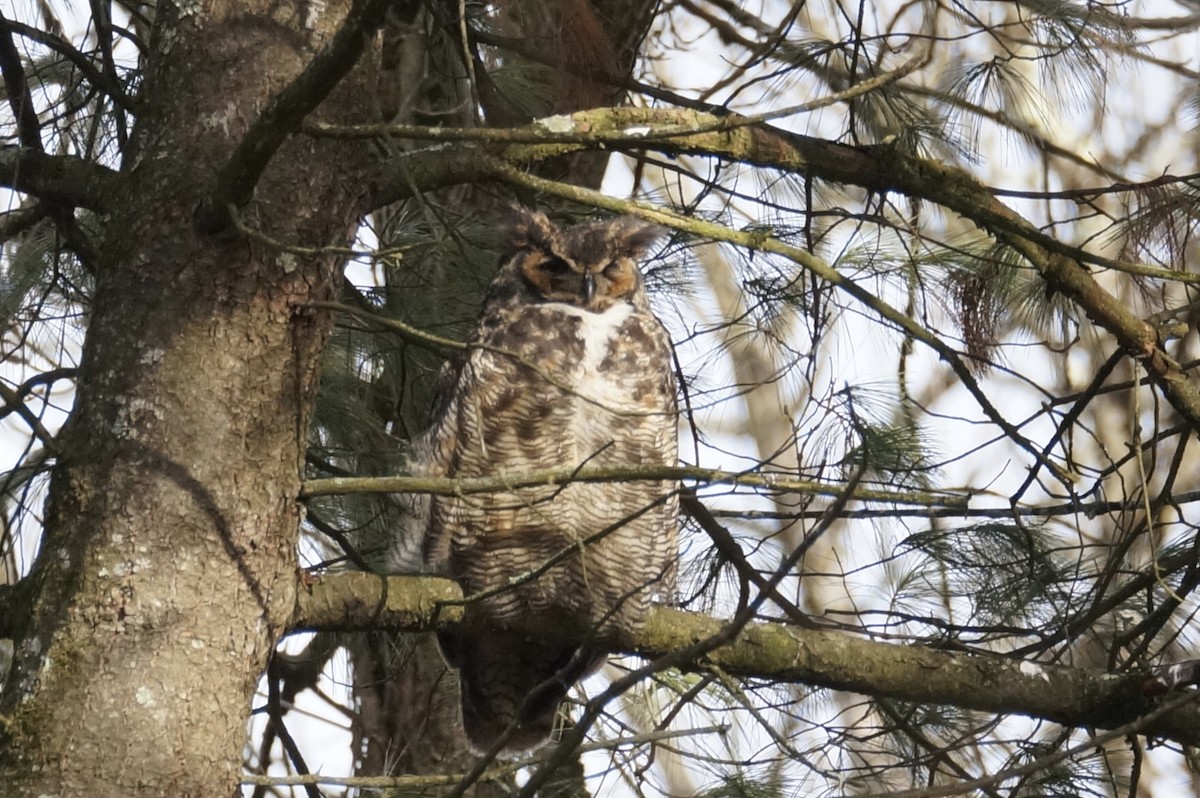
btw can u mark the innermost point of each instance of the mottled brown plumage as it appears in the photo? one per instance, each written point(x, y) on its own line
point(567, 367)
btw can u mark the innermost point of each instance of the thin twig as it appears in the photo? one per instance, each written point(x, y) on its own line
point(464, 486)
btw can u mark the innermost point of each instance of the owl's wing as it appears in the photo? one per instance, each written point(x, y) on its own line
point(429, 457)
point(445, 383)
point(413, 511)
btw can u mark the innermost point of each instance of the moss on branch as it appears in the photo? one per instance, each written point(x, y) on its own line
point(1078, 697)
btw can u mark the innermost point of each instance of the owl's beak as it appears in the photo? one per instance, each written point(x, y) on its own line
point(589, 287)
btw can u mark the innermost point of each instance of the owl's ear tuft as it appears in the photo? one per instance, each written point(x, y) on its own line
point(528, 228)
point(635, 236)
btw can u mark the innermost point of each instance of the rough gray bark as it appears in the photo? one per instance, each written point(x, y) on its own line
point(168, 566)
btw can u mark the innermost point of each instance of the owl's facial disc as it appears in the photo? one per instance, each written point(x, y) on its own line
point(595, 286)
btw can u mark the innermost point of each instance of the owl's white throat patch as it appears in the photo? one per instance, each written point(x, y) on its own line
point(596, 330)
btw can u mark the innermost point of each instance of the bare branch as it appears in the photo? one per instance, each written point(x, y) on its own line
point(463, 486)
point(29, 130)
point(79, 60)
point(60, 179)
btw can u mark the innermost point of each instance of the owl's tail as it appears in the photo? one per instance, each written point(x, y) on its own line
point(512, 685)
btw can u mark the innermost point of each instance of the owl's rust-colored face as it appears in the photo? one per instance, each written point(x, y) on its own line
point(593, 286)
point(591, 266)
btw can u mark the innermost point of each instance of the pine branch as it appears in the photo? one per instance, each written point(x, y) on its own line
point(61, 179)
point(413, 335)
point(1076, 697)
point(764, 241)
point(734, 137)
point(1090, 509)
point(877, 168)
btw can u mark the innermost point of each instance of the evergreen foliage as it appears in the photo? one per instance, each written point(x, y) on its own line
point(897, 268)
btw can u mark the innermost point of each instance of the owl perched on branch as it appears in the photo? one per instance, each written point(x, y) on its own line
point(567, 367)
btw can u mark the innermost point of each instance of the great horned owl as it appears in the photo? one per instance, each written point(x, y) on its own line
point(567, 367)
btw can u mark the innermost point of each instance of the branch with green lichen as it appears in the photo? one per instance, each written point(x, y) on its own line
point(771, 651)
point(495, 154)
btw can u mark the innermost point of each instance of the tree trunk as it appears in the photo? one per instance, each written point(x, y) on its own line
point(168, 566)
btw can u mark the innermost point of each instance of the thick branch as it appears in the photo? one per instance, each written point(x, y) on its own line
point(358, 601)
point(60, 179)
point(29, 129)
point(285, 111)
point(738, 138)
point(1077, 697)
